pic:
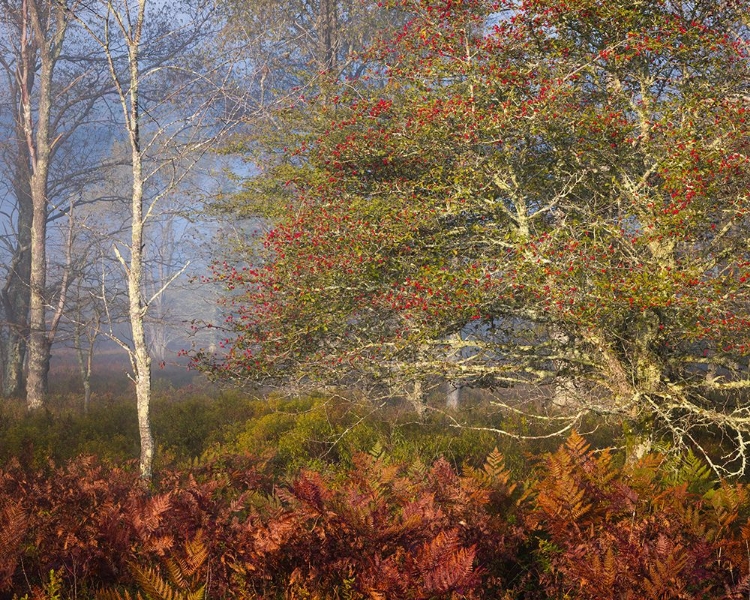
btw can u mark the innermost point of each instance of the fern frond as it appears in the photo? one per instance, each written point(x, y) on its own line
point(116, 595)
point(493, 474)
point(153, 585)
point(196, 553)
point(436, 550)
point(377, 451)
point(310, 488)
point(691, 470)
point(198, 594)
point(576, 446)
point(494, 466)
point(665, 570)
point(417, 470)
point(176, 571)
point(13, 526)
point(149, 517)
point(159, 544)
point(444, 563)
point(609, 567)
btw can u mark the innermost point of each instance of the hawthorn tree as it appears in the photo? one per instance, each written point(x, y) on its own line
point(539, 194)
point(289, 51)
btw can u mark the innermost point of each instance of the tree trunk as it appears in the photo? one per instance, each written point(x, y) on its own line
point(328, 19)
point(648, 370)
point(16, 304)
point(130, 26)
point(84, 361)
point(16, 294)
point(49, 30)
point(565, 394)
point(453, 397)
point(13, 353)
point(39, 346)
point(86, 394)
point(143, 403)
point(139, 356)
point(416, 399)
point(15, 298)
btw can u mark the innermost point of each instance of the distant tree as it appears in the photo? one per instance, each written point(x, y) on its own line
point(565, 185)
point(297, 41)
point(170, 248)
point(86, 316)
point(50, 152)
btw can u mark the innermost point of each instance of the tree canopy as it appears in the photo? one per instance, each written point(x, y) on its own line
point(522, 193)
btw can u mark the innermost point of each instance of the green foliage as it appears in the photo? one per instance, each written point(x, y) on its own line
point(110, 430)
point(188, 425)
point(321, 431)
point(689, 469)
point(185, 425)
point(51, 590)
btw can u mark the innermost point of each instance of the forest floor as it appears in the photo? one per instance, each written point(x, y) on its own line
point(318, 497)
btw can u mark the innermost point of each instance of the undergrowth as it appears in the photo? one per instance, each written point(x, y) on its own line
point(578, 525)
point(319, 497)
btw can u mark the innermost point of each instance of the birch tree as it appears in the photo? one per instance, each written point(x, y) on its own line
point(166, 96)
point(38, 30)
point(46, 24)
point(51, 155)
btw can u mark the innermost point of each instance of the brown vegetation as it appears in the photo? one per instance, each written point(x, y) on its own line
point(578, 526)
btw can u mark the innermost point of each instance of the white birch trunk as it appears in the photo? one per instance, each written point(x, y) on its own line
point(130, 27)
point(453, 397)
point(49, 45)
point(139, 356)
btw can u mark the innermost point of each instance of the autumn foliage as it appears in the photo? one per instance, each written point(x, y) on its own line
point(580, 526)
point(555, 192)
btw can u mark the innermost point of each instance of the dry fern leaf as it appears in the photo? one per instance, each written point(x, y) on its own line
point(153, 585)
point(13, 526)
point(196, 553)
point(116, 595)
